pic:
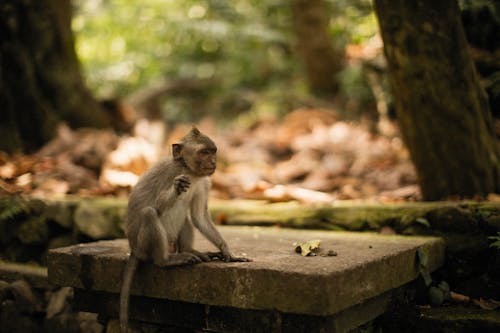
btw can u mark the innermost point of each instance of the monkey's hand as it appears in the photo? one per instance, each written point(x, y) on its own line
point(227, 257)
point(181, 184)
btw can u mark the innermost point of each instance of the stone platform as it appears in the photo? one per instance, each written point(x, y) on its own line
point(279, 290)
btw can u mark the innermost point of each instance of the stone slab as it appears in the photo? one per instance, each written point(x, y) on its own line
point(278, 279)
point(162, 313)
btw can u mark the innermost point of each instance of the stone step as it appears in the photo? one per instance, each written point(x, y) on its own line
point(348, 289)
point(459, 319)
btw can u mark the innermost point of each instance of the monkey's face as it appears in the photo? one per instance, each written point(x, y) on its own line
point(201, 159)
point(206, 158)
point(198, 152)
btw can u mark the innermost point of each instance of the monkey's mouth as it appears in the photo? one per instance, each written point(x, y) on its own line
point(209, 170)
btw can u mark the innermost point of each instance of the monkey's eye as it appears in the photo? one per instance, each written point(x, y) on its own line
point(206, 151)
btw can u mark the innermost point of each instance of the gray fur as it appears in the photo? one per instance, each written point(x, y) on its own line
point(163, 207)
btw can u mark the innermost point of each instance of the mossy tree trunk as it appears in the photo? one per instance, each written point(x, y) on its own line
point(40, 79)
point(320, 59)
point(442, 109)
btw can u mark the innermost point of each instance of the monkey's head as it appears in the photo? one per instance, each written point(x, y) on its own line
point(198, 153)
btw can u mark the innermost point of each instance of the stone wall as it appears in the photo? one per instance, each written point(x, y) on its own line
point(29, 227)
point(29, 304)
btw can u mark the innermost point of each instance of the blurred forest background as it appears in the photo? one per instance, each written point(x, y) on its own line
point(314, 101)
point(243, 55)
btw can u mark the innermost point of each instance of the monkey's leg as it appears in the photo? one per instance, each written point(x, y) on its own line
point(185, 241)
point(208, 229)
point(152, 242)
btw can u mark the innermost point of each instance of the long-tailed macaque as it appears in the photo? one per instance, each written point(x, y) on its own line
point(163, 207)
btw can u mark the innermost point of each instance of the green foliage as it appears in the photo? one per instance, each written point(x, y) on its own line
point(12, 207)
point(244, 46)
point(353, 21)
point(125, 44)
point(12, 210)
point(496, 241)
point(353, 85)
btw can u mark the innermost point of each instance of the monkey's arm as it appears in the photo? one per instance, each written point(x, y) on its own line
point(202, 221)
point(168, 196)
point(165, 199)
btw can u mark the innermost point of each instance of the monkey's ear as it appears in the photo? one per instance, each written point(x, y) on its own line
point(195, 130)
point(176, 151)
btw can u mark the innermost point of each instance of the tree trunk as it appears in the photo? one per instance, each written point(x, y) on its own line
point(40, 80)
point(441, 107)
point(314, 46)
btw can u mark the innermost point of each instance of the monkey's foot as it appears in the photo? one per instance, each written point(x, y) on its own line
point(177, 259)
point(226, 257)
point(201, 255)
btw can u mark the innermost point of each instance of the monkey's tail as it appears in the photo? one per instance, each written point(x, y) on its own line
point(128, 276)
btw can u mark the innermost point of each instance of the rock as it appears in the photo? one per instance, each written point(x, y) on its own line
point(89, 323)
point(61, 212)
point(452, 218)
point(14, 321)
point(18, 252)
point(25, 299)
point(58, 301)
point(73, 322)
point(4, 290)
point(113, 326)
point(36, 206)
point(436, 296)
point(91, 221)
point(34, 231)
point(100, 218)
point(62, 241)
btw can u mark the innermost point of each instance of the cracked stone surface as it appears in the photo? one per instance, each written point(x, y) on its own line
point(366, 265)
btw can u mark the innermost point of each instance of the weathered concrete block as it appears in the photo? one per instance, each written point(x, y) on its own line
point(367, 265)
point(171, 315)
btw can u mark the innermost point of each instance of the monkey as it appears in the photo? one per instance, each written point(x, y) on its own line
point(165, 205)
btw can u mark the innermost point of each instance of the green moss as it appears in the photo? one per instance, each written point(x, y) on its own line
point(407, 218)
point(34, 231)
point(11, 207)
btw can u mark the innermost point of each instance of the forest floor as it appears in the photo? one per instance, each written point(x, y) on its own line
point(309, 156)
